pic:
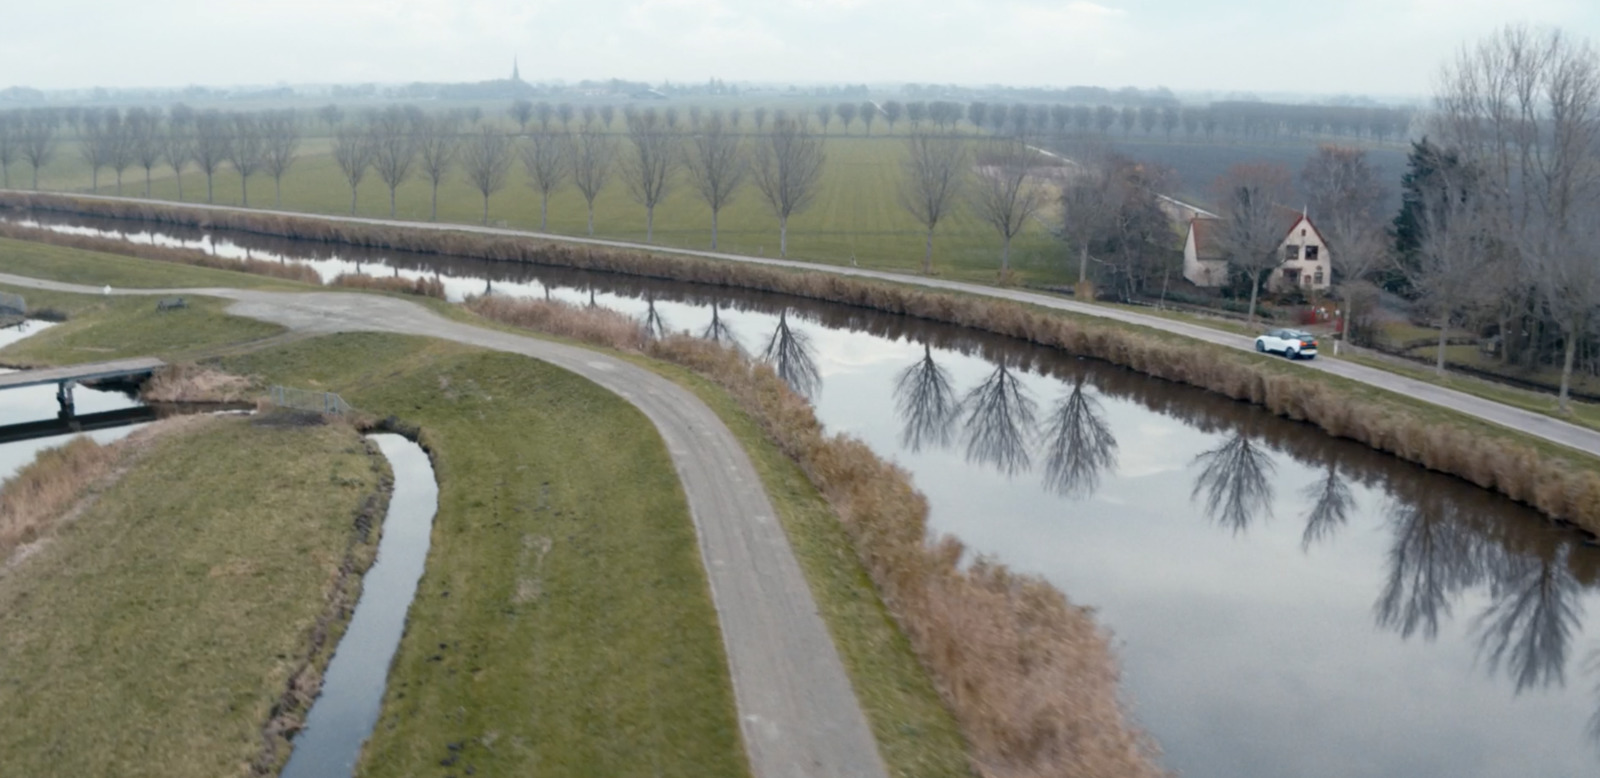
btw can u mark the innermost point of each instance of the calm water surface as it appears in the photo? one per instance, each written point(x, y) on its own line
point(1284, 603)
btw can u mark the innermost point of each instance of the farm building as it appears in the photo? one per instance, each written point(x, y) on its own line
point(1306, 263)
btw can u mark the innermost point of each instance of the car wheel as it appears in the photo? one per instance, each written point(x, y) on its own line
point(1261, 347)
point(1292, 353)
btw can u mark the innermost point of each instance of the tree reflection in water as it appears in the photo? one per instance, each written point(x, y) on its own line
point(718, 330)
point(654, 325)
point(1237, 482)
point(999, 414)
point(1080, 445)
point(1529, 626)
point(1331, 502)
point(926, 402)
point(790, 353)
point(1435, 557)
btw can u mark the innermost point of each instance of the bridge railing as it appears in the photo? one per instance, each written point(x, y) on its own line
point(12, 304)
point(309, 400)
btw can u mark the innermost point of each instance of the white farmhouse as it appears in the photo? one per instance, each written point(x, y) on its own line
point(1306, 263)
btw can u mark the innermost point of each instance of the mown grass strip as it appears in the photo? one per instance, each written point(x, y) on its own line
point(154, 634)
point(564, 625)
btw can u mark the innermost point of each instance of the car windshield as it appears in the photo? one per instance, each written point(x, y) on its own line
point(1297, 335)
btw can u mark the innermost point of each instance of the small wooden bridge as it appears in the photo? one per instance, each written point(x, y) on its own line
point(66, 377)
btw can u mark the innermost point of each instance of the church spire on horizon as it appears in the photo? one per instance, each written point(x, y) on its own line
point(515, 75)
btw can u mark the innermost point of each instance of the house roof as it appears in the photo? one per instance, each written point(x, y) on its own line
point(1207, 229)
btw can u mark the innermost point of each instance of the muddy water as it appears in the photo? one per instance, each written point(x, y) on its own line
point(343, 715)
point(1284, 603)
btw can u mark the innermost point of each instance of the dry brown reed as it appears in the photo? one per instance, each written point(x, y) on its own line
point(1518, 470)
point(421, 287)
point(184, 383)
point(1030, 677)
point(196, 257)
point(41, 492)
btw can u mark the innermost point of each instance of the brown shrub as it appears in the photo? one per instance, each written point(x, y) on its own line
point(421, 287)
point(38, 494)
point(1030, 677)
point(1516, 470)
point(194, 384)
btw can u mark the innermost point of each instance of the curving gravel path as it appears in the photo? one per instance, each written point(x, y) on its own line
point(797, 711)
point(1539, 425)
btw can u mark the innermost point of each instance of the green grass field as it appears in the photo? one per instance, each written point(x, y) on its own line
point(856, 213)
point(153, 635)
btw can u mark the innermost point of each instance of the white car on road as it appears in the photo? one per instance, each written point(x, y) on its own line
point(1293, 344)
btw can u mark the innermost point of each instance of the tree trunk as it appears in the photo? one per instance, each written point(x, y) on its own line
point(210, 196)
point(352, 199)
point(119, 183)
point(649, 223)
point(147, 182)
point(1083, 263)
point(177, 175)
point(94, 179)
point(591, 218)
point(783, 236)
point(1444, 333)
point(713, 234)
point(485, 209)
point(391, 202)
point(1505, 339)
point(544, 213)
point(433, 204)
point(1574, 330)
point(277, 192)
point(1005, 258)
point(927, 254)
point(244, 189)
point(1255, 294)
point(35, 178)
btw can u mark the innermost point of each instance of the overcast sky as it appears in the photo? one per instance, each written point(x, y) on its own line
point(1380, 47)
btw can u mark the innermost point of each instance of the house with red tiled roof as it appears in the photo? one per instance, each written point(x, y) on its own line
point(1305, 265)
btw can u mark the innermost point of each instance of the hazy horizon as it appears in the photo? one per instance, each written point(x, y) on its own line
point(1184, 46)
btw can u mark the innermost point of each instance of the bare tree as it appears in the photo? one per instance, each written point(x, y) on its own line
point(144, 139)
point(436, 151)
point(846, 113)
point(1237, 481)
point(916, 113)
point(565, 113)
point(353, 148)
point(1087, 200)
point(96, 146)
point(545, 158)
point(282, 135)
point(1250, 198)
point(589, 115)
point(521, 112)
point(544, 113)
point(760, 117)
point(486, 159)
point(1005, 196)
point(394, 149)
point(788, 165)
point(213, 140)
point(717, 166)
point(330, 115)
point(670, 117)
point(247, 152)
point(38, 142)
point(718, 331)
point(1344, 194)
point(824, 114)
point(892, 111)
point(927, 403)
point(120, 140)
point(696, 114)
point(10, 144)
point(935, 169)
point(869, 114)
point(648, 170)
point(177, 146)
point(593, 157)
point(1455, 230)
point(608, 114)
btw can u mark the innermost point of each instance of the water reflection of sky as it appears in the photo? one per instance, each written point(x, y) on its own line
point(1283, 603)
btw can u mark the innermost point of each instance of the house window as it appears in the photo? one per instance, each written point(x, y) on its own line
point(1311, 252)
point(1291, 252)
point(1292, 277)
point(1319, 275)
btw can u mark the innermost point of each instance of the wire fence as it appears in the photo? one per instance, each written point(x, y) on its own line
point(13, 304)
point(309, 400)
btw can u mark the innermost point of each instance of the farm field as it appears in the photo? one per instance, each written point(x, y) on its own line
point(856, 214)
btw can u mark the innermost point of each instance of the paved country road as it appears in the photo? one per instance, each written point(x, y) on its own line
point(1539, 425)
point(797, 711)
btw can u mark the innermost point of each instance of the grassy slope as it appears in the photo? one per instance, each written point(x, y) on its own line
point(157, 630)
point(56, 263)
point(856, 212)
point(102, 328)
point(598, 656)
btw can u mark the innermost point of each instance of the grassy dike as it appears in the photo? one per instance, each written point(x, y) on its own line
point(916, 734)
point(158, 631)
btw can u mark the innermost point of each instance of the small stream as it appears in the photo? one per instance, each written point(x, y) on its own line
point(1283, 602)
point(345, 712)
